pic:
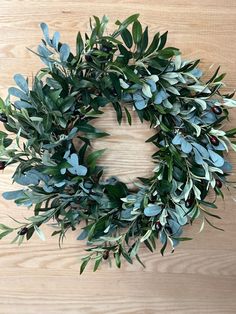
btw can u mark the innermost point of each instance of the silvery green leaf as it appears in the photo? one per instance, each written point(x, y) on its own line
point(202, 150)
point(199, 88)
point(17, 93)
point(83, 235)
point(187, 189)
point(55, 40)
point(206, 168)
point(177, 62)
point(201, 102)
point(45, 30)
point(126, 97)
point(137, 97)
point(198, 157)
point(175, 226)
point(44, 51)
point(208, 117)
point(48, 189)
point(123, 84)
point(217, 132)
point(146, 236)
point(217, 159)
point(167, 104)
point(152, 85)
point(196, 72)
point(197, 192)
point(220, 147)
point(173, 90)
point(140, 104)
point(146, 89)
point(126, 214)
point(64, 52)
point(180, 215)
point(182, 79)
point(13, 195)
point(229, 102)
point(163, 217)
point(154, 78)
point(214, 169)
point(227, 167)
point(22, 83)
point(39, 232)
point(163, 236)
point(152, 210)
point(60, 184)
point(177, 140)
point(170, 75)
point(27, 179)
point(186, 147)
point(19, 104)
point(63, 170)
point(76, 168)
point(197, 128)
point(158, 99)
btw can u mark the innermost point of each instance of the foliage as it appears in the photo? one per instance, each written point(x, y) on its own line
point(63, 183)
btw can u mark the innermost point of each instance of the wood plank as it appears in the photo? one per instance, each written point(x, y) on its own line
point(200, 277)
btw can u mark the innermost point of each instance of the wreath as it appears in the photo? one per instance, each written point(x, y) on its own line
point(50, 138)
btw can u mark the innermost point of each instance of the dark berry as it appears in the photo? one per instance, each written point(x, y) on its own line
point(217, 110)
point(218, 183)
point(88, 58)
point(105, 48)
point(168, 229)
point(214, 140)
point(158, 225)
point(3, 118)
point(2, 165)
point(114, 92)
point(23, 231)
point(105, 254)
point(189, 202)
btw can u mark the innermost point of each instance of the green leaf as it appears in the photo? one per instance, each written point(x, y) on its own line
point(127, 38)
point(98, 261)
point(125, 24)
point(137, 32)
point(79, 44)
point(163, 39)
point(128, 116)
point(213, 226)
point(117, 259)
point(154, 45)
point(39, 232)
point(92, 157)
point(5, 233)
point(84, 264)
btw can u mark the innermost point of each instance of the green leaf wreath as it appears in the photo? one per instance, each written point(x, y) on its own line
point(50, 138)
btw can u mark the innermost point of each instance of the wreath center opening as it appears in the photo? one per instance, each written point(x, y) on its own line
point(128, 156)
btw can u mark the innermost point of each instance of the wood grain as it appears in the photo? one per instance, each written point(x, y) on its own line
point(200, 277)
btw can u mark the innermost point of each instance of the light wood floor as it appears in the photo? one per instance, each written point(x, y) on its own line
point(200, 277)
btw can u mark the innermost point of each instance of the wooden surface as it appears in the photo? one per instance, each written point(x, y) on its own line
point(200, 277)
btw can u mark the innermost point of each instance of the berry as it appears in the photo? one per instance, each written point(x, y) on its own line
point(218, 183)
point(3, 118)
point(189, 202)
point(158, 225)
point(105, 254)
point(114, 92)
point(217, 110)
point(23, 231)
point(105, 48)
point(2, 165)
point(88, 58)
point(214, 140)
